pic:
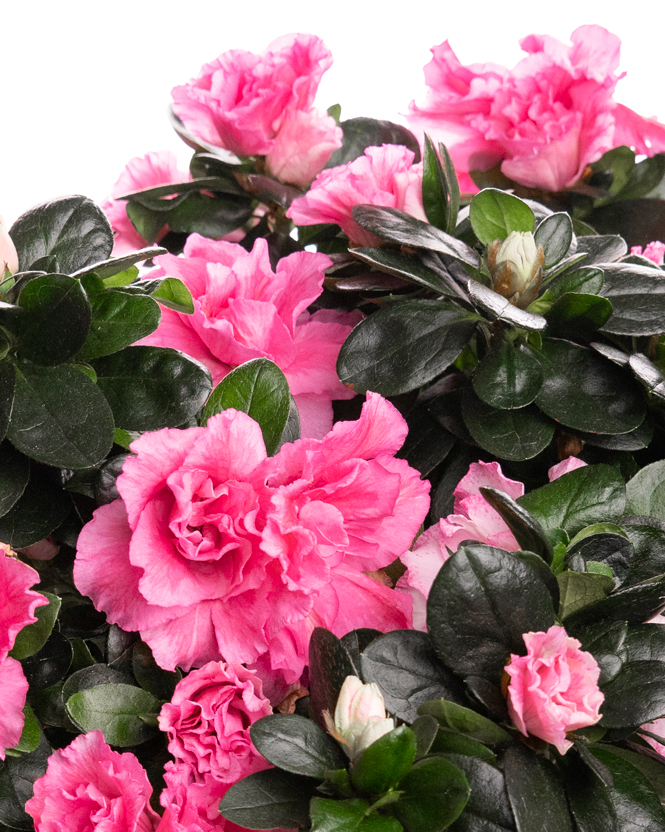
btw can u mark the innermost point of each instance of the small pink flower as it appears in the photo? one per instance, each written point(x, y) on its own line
point(654, 251)
point(88, 787)
point(208, 720)
point(544, 121)
point(8, 254)
point(554, 688)
point(14, 687)
point(384, 176)
point(155, 168)
point(571, 463)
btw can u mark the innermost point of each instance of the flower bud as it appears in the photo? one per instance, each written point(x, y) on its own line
point(516, 266)
point(8, 254)
point(360, 715)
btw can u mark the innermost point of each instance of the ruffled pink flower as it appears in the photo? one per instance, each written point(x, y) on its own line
point(243, 309)
point(208, 721)
point(654, 251)
point(8, 253)
point(544, 121)
point(554, 688)
point(216, 551)
point(14, 687)
point(384, 176)
point(262, 105)
point(158, 167)
point(191, 801)
point(87, 786)
point(18, 600)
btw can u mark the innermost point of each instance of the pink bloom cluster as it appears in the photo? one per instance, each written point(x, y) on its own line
point(384, 176)
point(16, 611)
point(155, 168)
point(262, 105)
point(544, 121)
point(554, 688)
point(216, 551)
point(473, 519)
point(207, 722)
point(654, 251)
point(243, 309)
point(87, 786)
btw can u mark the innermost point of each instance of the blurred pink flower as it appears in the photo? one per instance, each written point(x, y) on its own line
point(88, 786)
point(159, 167)
point(544, 121)
point(243, 309)
point(8, 254)
point(654, 251)
point(554, 688)
point(384, 176)
point(217, 551)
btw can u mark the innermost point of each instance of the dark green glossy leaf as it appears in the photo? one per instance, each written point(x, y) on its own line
point(360, 133)
point(118, 320)
point(619, 162)
point(210, 216)
point(149, 388)
point(33, 637)
point(636, 806)
point(650, 768)
point(509, 434)
point(645, 643)
point(60, 417)
point(449, 742)
point(526, 529)
point(406, 669)
point(481, 603)
point(535, 792)
point(466, 722)
point(579, 590)
point(637, 294)
point(408, 268)
point(635, 695)
point(554, 234)
point(7, 379)
point(260, 389)
point(488, 809)
point(426, 729)
point(50, 664)
point(173, 294)
point(30, 735)
point(401, 347)
point(114, 266)
point(55, 320)
point(385, 762)
point(575, 313)
point(644, 177)
point(649, 375)
point(508, 377)
point(648, 540)
point(645, 492)
point(427, 443)
point(602, 248)
point(494, 214)
point(71, 228)
point(91, 677)
point(17, 776)
point(160, 683)
point(587, 280)
point(435, 792)
point(609, 548)
point(291, 431)
point(349, 816)
point(117, 710)
point(583, 391)
point(41, 508)
point(14, 475)
point(295, 744)
point(499, 308)
point(633, 604)
point(268, 800)
point(146, 222)
point(440, 187)
point(639, 221)
point(329, 665)
point(590, 800)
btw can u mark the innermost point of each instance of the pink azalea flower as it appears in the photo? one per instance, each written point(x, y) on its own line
point(243, 309)
point(18, 600)
point(14, 687)
point(544, 121)
point(262, 105)
point(216, 551)
point(208, 720)
point(191, 801)
point(654, 251)
point(554, 688)
point(155, 168)
point(384, 176)
point(656, 727)
point(87, 786)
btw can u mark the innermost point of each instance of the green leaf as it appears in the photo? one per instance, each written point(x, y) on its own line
point(585, 280)
point(404, 666)
point(33, 637)
point(645, 492)
point(60, 417)
point(157, 681)
point(574, 313)
point(610, 550)
point(116, 710)
point(466, 722)
point(118, 320)
point(448, 742)
point(409, 268)
point(636, 806)
point(535, 792)
point(426, 729)
point(526, 530)
point(494, 214)
point(401, 347)
point(125, 278)
point(509, 434)
point(652, 770)
point(210, 216)
point(385, 762)
point(348, 816)
point(119, 271)
point(601, 248)
point(173, 294)
point(645, 643)
point(593, 494)
point(619, 162)
point(648, 540)
point(71, 228)
point(508, 377)
point(635, 695)
point(55, 320)
point(295, 744)
point(17, 776)
point(499, 308)
point(637, 294)
point(41, 508)
point(30, 735)
point(590, 800)
point(360, 133)
point(268, 800)
point(440, 188)
point(260, 389)
point(427, 443)
point(435, 792)
point(14, 475)
point(147, 223)
point(329, 665)
point(481, 603)
point(488, 809)
point(149, 388)
point(579, 590)
point(7, 380)
point(644, 177)
point(554, 234)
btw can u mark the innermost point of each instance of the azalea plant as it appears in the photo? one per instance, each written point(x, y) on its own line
point(332, 470)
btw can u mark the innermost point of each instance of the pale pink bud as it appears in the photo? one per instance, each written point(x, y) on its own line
point(8, 254)
point(516, 266)
point(360, 715)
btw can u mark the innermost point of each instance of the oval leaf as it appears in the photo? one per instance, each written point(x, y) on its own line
point(117, 710)
point(494, 214)
point(555, 234)
point(295, 744)
point(508, 377)
point(269, 799)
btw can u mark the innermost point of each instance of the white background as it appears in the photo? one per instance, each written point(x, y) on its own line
point(86, 84)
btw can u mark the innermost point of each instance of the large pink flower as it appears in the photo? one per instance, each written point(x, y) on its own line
point(554, 688)
point(87, 786)
point(262, 105)
point(159, 167)
point(384, 176)
point(544, 121)
point(216, 551)
point(243, 309)
point(208, 721)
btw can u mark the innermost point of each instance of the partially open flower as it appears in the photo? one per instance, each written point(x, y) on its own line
point(360, 715)
point(516, 266)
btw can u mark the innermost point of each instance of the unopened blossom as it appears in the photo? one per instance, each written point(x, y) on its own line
point(360, 715)
point(8, 254)
point(654, 251)
point(516, 265)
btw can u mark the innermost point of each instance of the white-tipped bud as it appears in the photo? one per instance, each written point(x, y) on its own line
point(516, 266)
point(360, 715)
